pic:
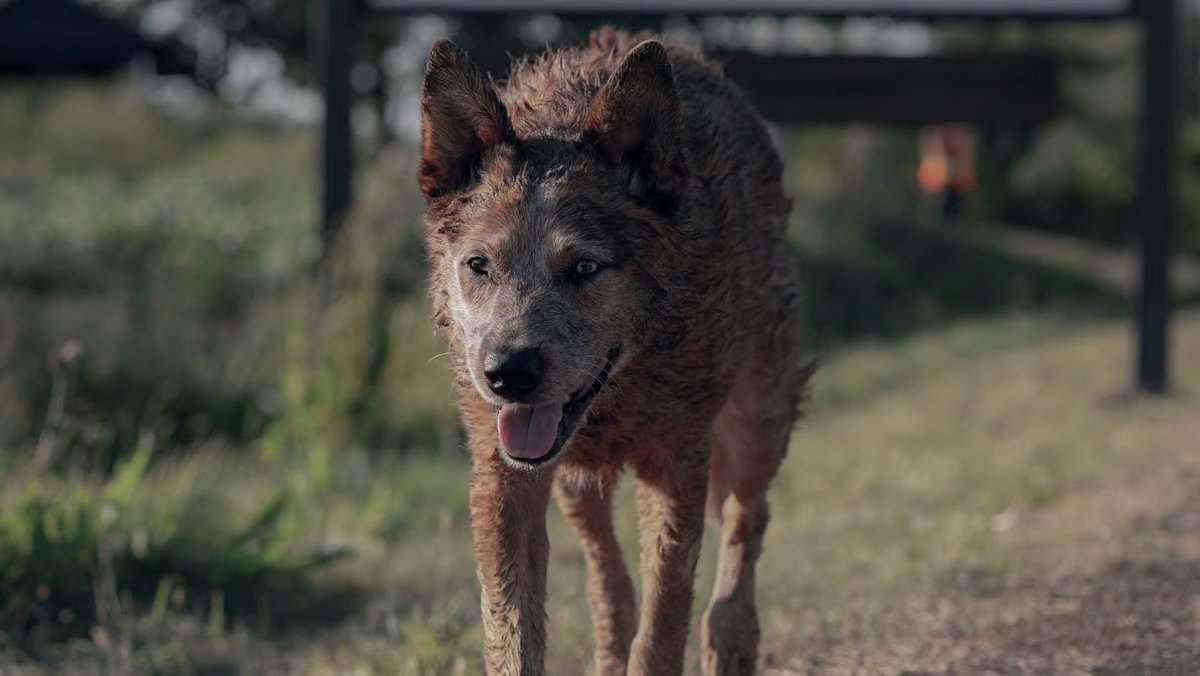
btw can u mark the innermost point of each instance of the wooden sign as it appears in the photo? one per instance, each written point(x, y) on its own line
point(833, 8)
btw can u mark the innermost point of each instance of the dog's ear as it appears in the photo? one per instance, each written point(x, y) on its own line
point(461, 120)
point(636, 124)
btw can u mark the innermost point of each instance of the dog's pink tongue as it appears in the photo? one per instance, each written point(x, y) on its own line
point(526, 432)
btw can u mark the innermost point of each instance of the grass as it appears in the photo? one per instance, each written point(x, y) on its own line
point(906, 514)
point(212, 463)
point(167, 541)
point(955, 489)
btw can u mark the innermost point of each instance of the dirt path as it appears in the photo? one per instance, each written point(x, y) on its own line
point(1120, 595)
point(1102, 579)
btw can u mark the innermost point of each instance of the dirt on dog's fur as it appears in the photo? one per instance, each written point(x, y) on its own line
point(610, 270)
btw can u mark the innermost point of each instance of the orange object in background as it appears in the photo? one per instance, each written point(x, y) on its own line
point(947, 159)
point(947, 168)
point(934, 173)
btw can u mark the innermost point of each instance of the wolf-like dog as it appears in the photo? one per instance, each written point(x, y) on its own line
point(610, 269)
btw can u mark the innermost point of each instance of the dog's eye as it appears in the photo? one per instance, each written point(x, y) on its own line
point(583, 269)
point(586, 267)
point(478, 265)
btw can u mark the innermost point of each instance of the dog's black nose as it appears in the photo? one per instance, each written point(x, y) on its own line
point(514, 374)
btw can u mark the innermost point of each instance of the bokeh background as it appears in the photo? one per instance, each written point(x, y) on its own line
point(229, 447)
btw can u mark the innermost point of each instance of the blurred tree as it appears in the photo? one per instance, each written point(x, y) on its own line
point(195, 37)
point(201, 38)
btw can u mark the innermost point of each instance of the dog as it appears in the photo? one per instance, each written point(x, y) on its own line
point(610, 269)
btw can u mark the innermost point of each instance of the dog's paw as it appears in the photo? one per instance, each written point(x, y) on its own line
point(729, 639)
point(723, 660)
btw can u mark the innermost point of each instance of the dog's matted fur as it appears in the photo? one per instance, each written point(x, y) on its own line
point(610, 270)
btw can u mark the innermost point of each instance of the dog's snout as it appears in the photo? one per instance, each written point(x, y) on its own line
point(514, 374)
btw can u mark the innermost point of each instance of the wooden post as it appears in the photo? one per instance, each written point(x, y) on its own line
point(1157, 188)
point(333, 38)
point(1191, 50)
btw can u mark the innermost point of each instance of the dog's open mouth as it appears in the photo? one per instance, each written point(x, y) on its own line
point(534, 435)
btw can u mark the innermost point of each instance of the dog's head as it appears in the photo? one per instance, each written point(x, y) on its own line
point(551, 248)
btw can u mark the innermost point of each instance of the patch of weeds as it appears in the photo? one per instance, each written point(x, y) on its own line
point(439, 640)
point(79, 558)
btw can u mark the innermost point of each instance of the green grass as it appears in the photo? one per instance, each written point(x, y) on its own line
point(894, 496)
point(145, 535)
point(186, 282)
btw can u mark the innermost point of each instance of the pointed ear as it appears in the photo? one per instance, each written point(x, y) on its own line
point(461, 119)
point(636, 124)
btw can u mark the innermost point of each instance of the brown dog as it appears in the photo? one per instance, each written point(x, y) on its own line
point(610, 270)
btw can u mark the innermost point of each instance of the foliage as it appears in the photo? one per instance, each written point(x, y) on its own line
point(197, 35)
point(891, 280)
point(1189, 191)
point(52, 130)
point(205, 254)
point(1072, 184)
point(174, 431)
point(1077, 175)
point(66, 545)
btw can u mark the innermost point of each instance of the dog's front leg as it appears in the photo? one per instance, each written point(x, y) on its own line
point(588, 507)
point(672, 487)
point(508, 516)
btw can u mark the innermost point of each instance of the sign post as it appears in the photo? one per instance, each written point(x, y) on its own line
point(1157, 188)
point(333, 38)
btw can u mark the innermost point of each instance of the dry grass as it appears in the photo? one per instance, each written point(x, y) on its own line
point(976, 499)
point(1012, 515)
point(989, 510)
